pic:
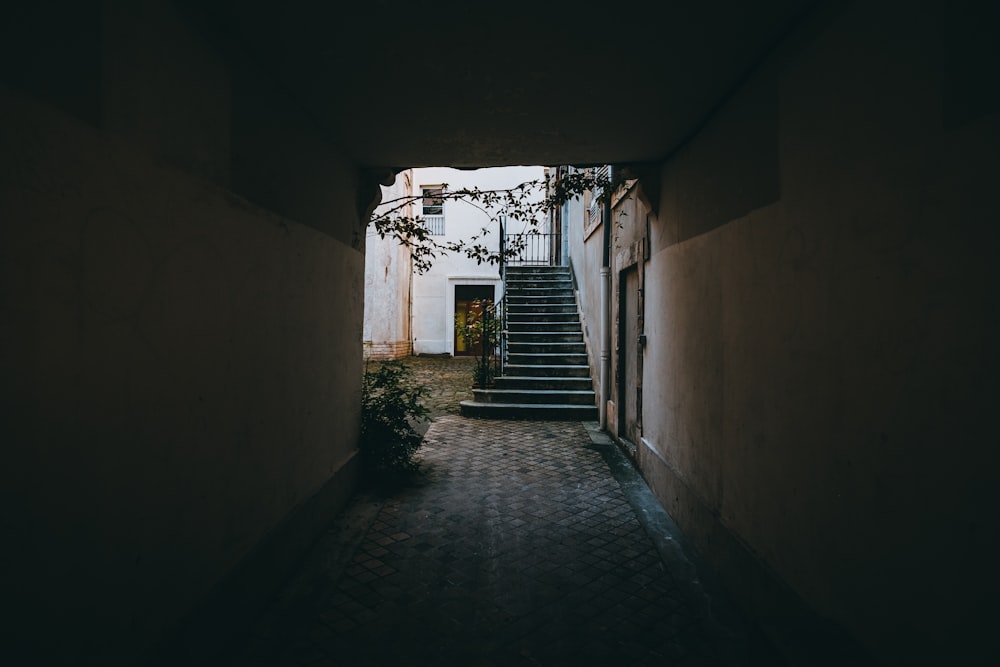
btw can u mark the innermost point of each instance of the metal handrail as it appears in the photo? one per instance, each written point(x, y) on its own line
point(501, 364)
point(534, 248)
point(500, 343)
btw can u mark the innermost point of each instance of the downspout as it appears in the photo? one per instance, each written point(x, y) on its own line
point(409, 287)
point(409, 305)
point(606, 310)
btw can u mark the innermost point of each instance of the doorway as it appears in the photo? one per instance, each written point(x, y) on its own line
point(468, 305)
point(629, 356)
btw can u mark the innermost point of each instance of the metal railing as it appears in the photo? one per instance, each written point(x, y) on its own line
point(495, 345)
point(530, 249)
point(533, 249)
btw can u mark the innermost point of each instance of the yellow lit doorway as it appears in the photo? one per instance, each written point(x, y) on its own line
point(466, 298)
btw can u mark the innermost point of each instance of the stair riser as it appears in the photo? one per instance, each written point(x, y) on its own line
point(535, 319)
point(563, 349)
point(539, 288)
point(521, 271)
point(527, 337)
point(528, 398)
point(541, 303)
point(540, 281)
point(516, 311)
point(528, 343)
point(542, 318)
point(519, 328)
point(547, 359)
point(576, 413)
point(542, 290)
point(539, 292)
point(551, 383)
point(516, 284)
point(530, 313)
point(538, 370)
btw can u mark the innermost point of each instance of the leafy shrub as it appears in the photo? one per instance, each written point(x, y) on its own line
point(483, 373)
point(390, 409)
point(481, 327)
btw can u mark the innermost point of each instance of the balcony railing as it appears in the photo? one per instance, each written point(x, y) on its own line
point(435, 224)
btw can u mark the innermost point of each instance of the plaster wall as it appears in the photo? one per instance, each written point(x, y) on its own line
point(628, 218)
point(587, 256)
point(173, 355)
point(434, 291)
point(822, 326)
point(388, 278)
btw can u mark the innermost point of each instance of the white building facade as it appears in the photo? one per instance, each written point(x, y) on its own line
point(412, 313)
point(447, 290)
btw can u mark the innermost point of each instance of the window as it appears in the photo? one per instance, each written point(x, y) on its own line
point(433, 201)
point(595, 213)
point(433, 209)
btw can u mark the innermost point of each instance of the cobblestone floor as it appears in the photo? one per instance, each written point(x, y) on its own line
point(515, 546)
point(448, 380)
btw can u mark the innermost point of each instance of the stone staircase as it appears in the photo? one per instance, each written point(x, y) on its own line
point(547, 375)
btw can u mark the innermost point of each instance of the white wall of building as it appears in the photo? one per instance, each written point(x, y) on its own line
point(434, 292)
point(388, 277)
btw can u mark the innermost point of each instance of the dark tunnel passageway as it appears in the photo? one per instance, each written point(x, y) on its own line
point(184, 191)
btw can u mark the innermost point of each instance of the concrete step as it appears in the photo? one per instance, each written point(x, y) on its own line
point(530, 316)
point(540, 281)
point(546, 342)
point(535, 347)
point(520, 282)
point(547, 359)
point(543, 327)
point(528, 287)
point(540, 336)
point(537, 291)
point(516, 271)
point(548, 370)
point(542, 382)
point(539, 301)
point(518, 316)
point(528, 411)
point(523, 306)
point(547, 374)
point(534, 310)
point(534, 396)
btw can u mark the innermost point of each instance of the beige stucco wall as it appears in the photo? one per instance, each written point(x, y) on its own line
point(173, 355)
point(822, 335)
point(586, 257)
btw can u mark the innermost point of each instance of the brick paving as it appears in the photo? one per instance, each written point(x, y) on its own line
point(514, 546)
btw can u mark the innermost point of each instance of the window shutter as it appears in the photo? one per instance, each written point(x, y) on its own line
point(596, 209)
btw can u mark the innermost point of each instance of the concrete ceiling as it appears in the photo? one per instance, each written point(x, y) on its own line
point(471, 84)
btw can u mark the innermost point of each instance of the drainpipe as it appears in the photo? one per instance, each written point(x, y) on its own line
point(605, 345)
point(606, 313)
point(409, 305)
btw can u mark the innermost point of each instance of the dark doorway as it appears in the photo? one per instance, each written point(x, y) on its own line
point(629, 313)
point(468, 303)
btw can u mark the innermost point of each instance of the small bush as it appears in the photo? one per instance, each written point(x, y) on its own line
point(390, 408)
point(483, 373)
point(481, 327)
